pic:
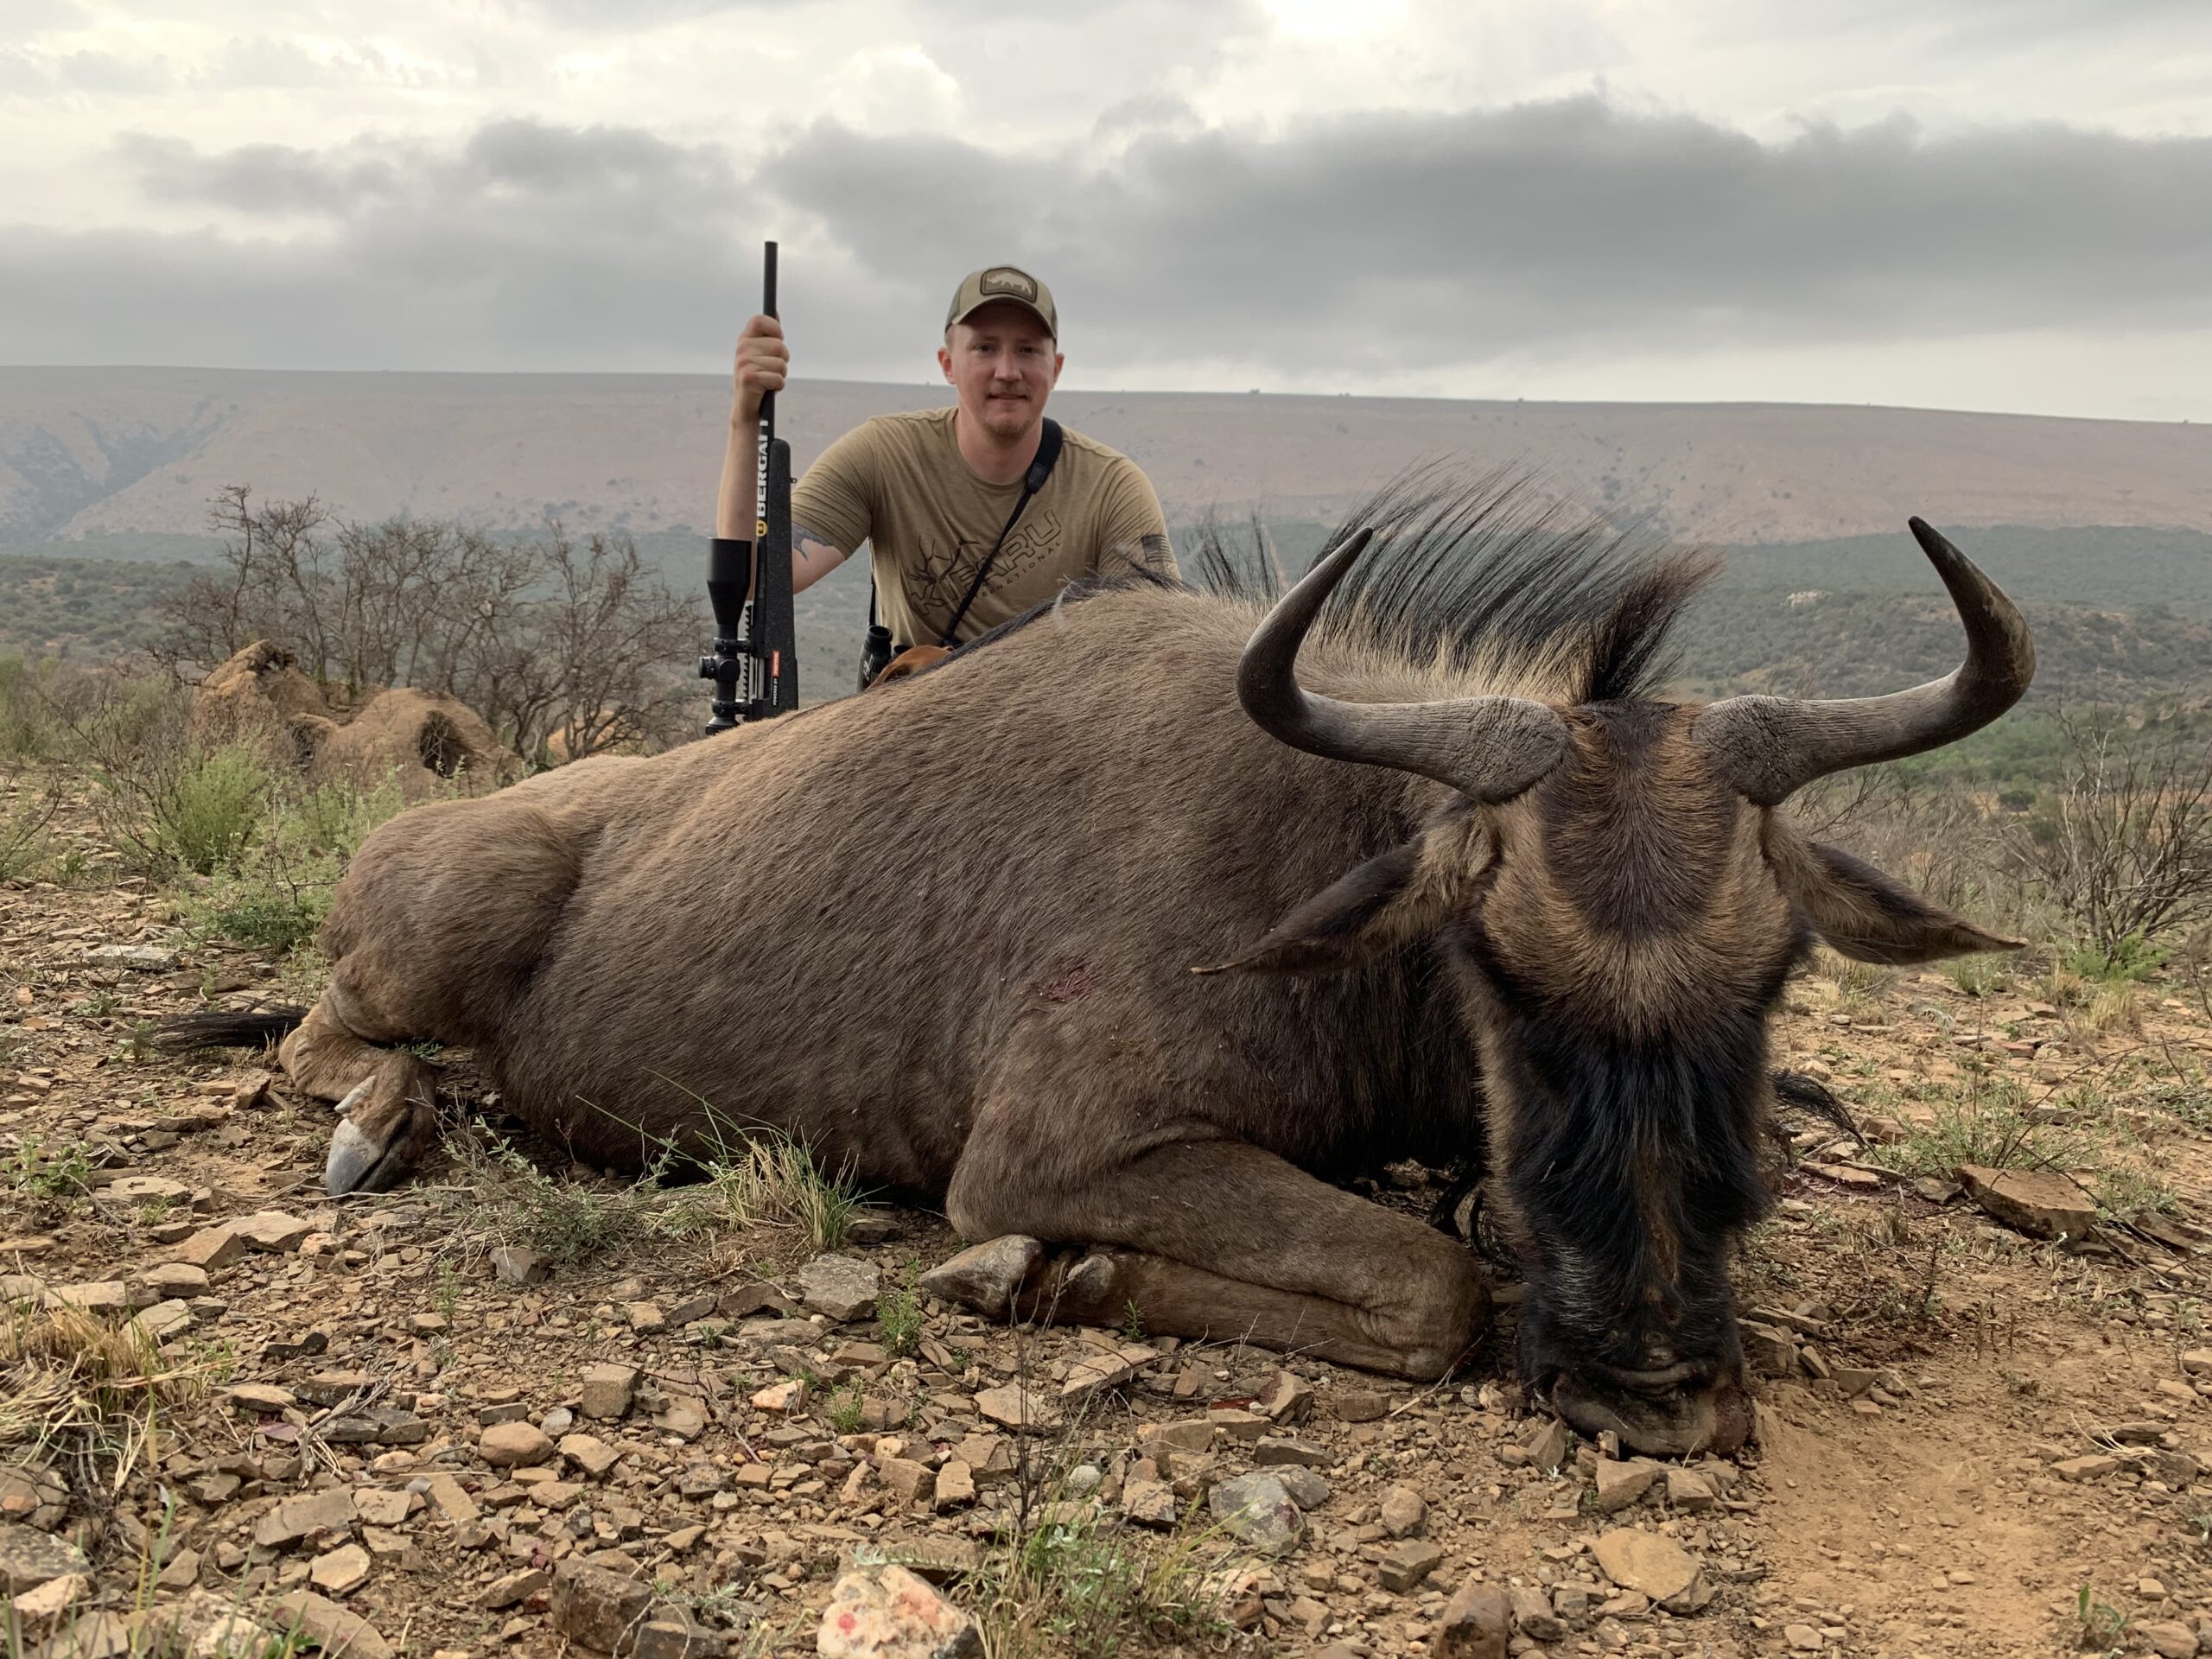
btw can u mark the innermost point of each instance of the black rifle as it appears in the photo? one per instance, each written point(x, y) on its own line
point(754, 663)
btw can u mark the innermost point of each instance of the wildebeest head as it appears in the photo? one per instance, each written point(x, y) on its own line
point(1622, 905)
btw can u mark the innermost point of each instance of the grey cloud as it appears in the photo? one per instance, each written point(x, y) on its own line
point(1454, 237)
point(528, 247)
point(274, 179)
point(1383, 242)
point(33, 73)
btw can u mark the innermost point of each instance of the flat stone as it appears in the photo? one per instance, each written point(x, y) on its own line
point(1244, 1426)
point(783, 1398)
point(842, 1286)
point(510, 1588)
point(1654, 1566)
point(1356, 1405)
point(1403, 1511)
point(675, 1639)
point(211, 1246)
point(1149, 1503)
point(29, 1558)
point(985, 1277)
point(2094, 1467)
point(1803, 1638)
point(1191, 1434)
point(1308, 1489)
point(1096, 1371)
point(1404, 1567)
point(452, 1500)
point(1287, 1400)
point(335, 1388)
point(140, 959)
point(166, 1320)
point(596, 1608)
point(167, 1280)
point(887, 1612)
point(44, 1605)
point(2169, 1638)
point(513, 1265)
point(380, 1507)
point(589, 1454)
point(1012, 1406)
point(344, 1568)
point(1256, 1509)
point(1274, 1452)
point(101, 1296)
point(303, 1516)
point(272, 1230)
point(138, 1189)
point(1620, 1485)
point(955, 1486)
point(2040, 1203)
point(507, 1445)
point(1690, 1489)
point(330, 1627)
point(1533, 1613)
point(608, 1391)
point(905, 1478)
point(1769, 1351)
point(1545, 1443)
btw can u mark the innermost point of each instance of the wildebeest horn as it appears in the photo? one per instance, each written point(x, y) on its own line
point(1770, 747)
point(1488, 748)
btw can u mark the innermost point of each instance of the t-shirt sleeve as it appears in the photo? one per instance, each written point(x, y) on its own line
point(1132, 525)
point(833, 496)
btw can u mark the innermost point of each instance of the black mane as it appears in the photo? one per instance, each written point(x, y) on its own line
point(1470, 570)
point(1483, 568)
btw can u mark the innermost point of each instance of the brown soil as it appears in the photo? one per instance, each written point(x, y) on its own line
point(1930, 1515)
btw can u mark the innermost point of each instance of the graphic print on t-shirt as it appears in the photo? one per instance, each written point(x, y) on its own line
point(936, 582)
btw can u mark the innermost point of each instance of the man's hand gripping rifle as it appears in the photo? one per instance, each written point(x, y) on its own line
point(754, 663)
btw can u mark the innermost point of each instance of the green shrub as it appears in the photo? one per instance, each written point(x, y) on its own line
point(209, 812)
point(2131, 957)
point(275, 898)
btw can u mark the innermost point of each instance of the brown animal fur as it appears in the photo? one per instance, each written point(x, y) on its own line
point(944, 935)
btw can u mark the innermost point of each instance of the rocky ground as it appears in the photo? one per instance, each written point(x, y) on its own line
point(517, 1406)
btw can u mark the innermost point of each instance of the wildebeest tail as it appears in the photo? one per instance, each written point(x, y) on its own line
point(226, 1029)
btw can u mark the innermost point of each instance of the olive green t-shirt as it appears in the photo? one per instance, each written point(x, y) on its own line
point(899, 483)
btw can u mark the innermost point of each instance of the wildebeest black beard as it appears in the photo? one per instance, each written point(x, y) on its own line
point(1628, 1170)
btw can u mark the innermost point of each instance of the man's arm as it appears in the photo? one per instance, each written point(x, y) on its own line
point(763, 363)
point(1132, 526)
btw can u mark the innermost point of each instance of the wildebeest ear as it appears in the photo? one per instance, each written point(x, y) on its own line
point(1866, 914)
point(1389, 901)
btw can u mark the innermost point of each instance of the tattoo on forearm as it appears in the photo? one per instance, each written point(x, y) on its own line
point(806, 542)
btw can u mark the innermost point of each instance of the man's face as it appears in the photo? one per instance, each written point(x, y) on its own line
point(1004, 366)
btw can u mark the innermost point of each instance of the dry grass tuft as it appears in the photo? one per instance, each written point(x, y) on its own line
point(2115, 1011)
point(87, 1388)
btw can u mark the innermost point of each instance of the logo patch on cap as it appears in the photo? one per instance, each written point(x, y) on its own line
point(1005, 279)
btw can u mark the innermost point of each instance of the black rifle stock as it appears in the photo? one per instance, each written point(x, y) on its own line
point(754, 662)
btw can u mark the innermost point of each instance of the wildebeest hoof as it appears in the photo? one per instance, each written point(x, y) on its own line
point(357, 1164)
point(987, 1276)
point(1677, 1423)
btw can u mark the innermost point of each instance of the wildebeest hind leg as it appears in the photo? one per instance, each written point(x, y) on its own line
point(1220, 1239)
point(388, 1096)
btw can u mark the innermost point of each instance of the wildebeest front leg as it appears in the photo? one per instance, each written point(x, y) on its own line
point(1220, 1239)
point(388, 1097)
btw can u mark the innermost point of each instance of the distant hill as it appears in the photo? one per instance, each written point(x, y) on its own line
point(2120, 615)
point(127, 453)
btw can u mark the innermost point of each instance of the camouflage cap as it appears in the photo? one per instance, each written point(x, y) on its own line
point(980, 287)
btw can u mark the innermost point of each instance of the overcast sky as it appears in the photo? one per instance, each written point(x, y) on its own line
point(1980, 204)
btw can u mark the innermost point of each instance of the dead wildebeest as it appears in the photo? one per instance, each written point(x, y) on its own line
point(1458, 881)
